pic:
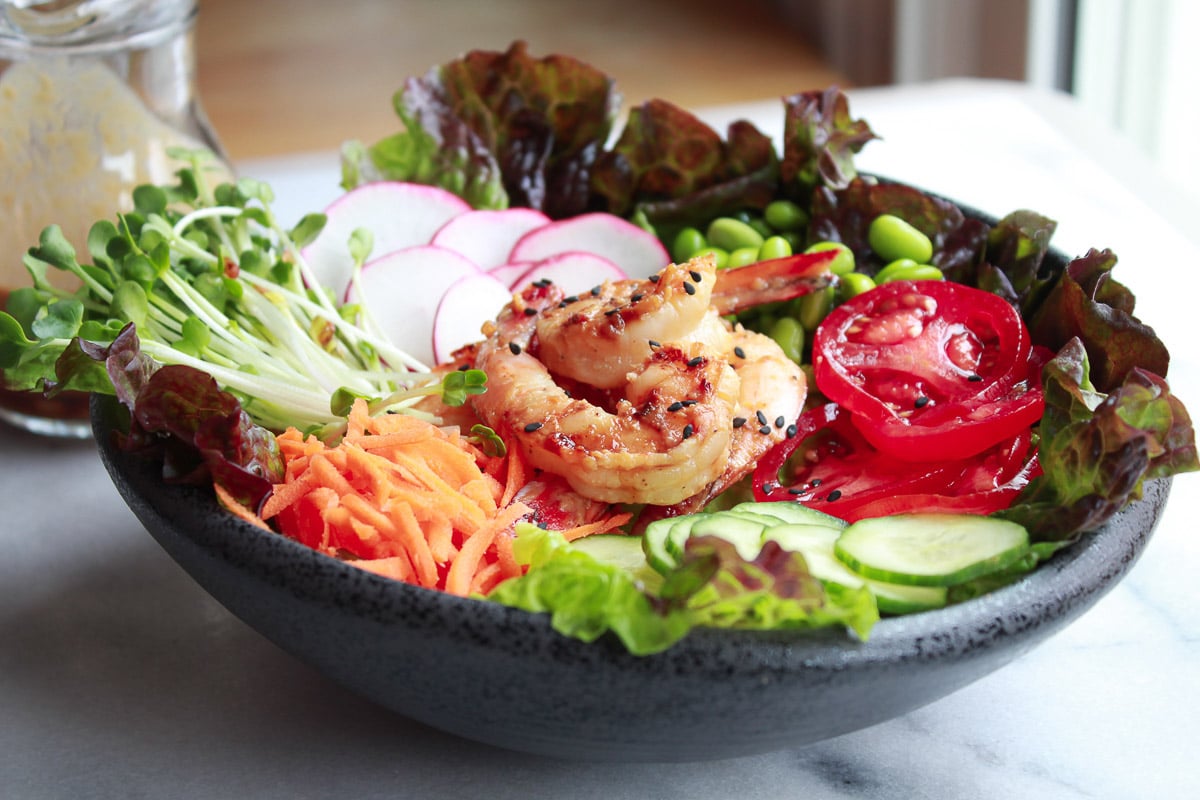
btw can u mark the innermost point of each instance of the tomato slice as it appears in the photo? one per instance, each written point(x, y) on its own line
point(932, 370)
point(828, 465)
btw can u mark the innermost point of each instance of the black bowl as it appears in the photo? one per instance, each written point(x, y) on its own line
point(505, 677)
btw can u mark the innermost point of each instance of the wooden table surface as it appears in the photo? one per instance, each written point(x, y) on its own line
point(289, 76)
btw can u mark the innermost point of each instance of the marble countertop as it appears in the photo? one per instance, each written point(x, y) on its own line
point(119, 677)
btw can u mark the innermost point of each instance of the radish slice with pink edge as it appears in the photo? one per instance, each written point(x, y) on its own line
point(509, 274)
point(487, 236)
point(401, 291)
point(398, 214)
point(636, 252)
point(466, 305)
point(573, 272)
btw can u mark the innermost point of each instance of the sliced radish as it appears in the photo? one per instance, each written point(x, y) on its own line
point(398, 214)
point(467, 304)
point(487, 236)
point(401, 292)
point(636, 252)
point(574, 272)
point(509, 274)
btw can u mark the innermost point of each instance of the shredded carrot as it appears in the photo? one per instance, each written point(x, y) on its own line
point(466, 564)
point(599, 526)
point(515, 476)
point(408, 500)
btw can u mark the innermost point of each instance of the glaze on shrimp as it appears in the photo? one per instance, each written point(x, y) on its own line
point(664, 438)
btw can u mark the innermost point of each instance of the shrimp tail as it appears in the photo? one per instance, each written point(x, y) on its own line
point(771, 281)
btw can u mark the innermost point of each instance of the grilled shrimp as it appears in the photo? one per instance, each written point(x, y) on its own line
point(665, 435)
point(599, 337)
point(771, 397)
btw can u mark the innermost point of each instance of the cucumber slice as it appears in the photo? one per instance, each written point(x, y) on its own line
point(893, 598)
point(744, 534)
point(663, 541)
point(816, 543)
point(930, 549)
point(619, 550)
point(788, 512)
point(803, 536)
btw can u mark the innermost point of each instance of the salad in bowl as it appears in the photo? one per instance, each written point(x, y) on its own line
point(641, 382)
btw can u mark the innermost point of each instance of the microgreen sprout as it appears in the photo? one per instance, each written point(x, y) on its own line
point(211, 280)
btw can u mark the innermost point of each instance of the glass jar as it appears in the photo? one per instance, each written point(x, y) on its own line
point(92, 95)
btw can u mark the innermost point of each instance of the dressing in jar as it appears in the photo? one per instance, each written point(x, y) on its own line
point(93, 95)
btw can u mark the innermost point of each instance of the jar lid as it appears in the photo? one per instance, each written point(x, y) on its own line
point(37, 24)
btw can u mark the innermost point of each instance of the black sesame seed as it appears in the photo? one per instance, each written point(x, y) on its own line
point(463, 367)
point(533, 426)
point(739, 352)
point(739, 422)
point(921, 401)
point(688, 430)
point(795, 491)
point(514, 348)
point(815, 482)
point(695, 361)
point(973, 378)
point(696, 276)
point(636, 297)
point(530, 311)
point(689, 288)
point(655, 344)
point(571, 299)
point(595, 291)
point(768, 487)
point(654, 278)
point(791, 431)
point(690, 402)
point(835, 494)
point(761, 417)
point(612, 311)
point(676, 406)
point(780, 422)
point(765, 430)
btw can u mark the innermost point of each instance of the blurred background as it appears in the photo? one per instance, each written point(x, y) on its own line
point(290, 76)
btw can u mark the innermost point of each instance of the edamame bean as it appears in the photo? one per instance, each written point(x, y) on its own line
point(905, 269)
point(743, 256)
point(789, 335)
point(774, 247)
point(759, 224)
point(892, 269)
point(813, 307)
point(720, 255)
point(843, 263)
point(853, 284)
point(686, 243)
point(784, 215)
point(893, 238)
point(729, 234)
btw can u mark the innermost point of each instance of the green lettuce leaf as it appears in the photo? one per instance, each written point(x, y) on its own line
point(1096, 449)
point(712, 587)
